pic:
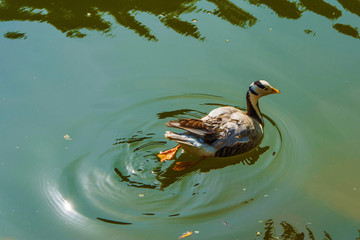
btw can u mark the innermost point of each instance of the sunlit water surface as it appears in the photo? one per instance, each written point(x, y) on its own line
point(83, 117)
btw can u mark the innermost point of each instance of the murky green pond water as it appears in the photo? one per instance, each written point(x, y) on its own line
point(87, 87)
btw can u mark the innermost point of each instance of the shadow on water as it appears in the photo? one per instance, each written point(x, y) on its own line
point(72, 17)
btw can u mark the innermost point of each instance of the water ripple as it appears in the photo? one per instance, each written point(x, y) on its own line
point(125, 183)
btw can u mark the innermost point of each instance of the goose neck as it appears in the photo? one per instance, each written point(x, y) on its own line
point(253, 109)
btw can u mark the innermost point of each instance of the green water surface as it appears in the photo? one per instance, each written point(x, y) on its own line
point(87, 87)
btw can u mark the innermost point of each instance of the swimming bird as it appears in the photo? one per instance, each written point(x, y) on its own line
point(225, 131)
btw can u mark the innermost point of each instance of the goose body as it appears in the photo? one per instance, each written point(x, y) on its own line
point(225, 131)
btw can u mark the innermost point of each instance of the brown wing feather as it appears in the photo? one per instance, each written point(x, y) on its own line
point(192, 123)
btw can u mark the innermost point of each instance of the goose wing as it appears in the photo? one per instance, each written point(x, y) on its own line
point(239, 134)
point(208, 128)
point(194, 126)
point(227, 129)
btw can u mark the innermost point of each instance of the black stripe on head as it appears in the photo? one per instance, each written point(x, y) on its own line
point(252, 91)
point(259, 84)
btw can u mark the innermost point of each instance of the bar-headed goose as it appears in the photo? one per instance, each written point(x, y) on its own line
point(225, 131)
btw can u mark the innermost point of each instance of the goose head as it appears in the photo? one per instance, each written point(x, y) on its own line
point(257, 90)
point(262, 88)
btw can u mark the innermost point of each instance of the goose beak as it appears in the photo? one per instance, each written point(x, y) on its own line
point(274, 90)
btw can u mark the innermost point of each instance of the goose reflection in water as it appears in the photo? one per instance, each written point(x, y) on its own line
point(72, 17)
point(170, 175)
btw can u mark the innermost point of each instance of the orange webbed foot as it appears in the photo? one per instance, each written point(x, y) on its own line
point(168, 154)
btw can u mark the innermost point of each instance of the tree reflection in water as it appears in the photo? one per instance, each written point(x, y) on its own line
point(15, 35)
point(289, 232)
point(70, 17)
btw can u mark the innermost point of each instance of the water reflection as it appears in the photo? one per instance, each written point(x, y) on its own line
point(15, 35)
point(289, 232)
point(322, 8)
point(283, 8)
point(351, 5)
point(347, 30)
point(181, 113)
point(233, 14)
point(113, 221)
point(171, 174)
point(63, 207)
point(72, 18)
